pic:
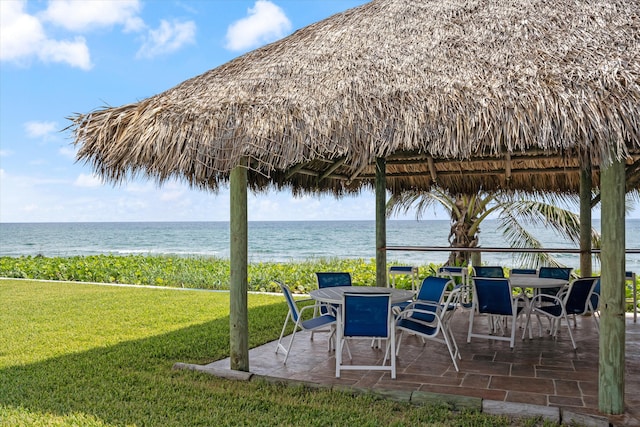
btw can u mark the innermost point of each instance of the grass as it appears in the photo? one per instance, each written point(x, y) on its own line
point(75, 354)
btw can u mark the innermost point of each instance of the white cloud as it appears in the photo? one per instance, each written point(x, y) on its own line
point(5, 153)
point(167, 38)
point(89, 181)
point(19, 32)
point(266, 22)
point(40, 129)
point(68, 151)
point(75, 53)
point(22, 38)
point(82, 15)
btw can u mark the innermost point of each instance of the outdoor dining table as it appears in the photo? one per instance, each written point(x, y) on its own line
point(535, 282)
point(334, 295)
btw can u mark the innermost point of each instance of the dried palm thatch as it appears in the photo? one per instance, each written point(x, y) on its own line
point(466, 94)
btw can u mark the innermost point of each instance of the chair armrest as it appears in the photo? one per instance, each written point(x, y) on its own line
point(546, 298)
point(435, 304)
point(409, 312)
point(308, 307)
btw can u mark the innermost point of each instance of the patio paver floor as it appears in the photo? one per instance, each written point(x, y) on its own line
point(541, 371)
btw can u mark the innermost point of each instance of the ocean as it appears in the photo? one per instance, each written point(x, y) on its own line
point(271, 241)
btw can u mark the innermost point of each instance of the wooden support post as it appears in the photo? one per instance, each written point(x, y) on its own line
point(381, 222)
point(585, 217)
point(238, 314)
point(612, 297)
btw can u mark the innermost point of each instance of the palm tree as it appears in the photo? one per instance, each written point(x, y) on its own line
point(515, 212)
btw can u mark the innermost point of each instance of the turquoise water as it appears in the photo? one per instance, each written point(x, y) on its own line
point(268, 241)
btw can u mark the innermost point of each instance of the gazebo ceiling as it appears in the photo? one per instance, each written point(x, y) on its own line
point(531, 172)
point(462, 94)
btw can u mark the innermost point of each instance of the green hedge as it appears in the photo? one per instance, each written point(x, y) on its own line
point(199, 272)
point(196, 272)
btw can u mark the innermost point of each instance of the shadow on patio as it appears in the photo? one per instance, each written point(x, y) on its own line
point(541, 371)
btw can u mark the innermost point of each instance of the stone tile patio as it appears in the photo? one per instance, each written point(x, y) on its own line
point(541, 371)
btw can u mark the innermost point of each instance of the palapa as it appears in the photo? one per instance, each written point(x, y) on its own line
point(469, 95)
point(463, 94)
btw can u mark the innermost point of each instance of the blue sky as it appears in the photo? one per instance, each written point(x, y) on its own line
point(63, 57)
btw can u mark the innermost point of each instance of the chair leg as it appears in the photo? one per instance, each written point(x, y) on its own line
point(392, 345)
point(339, 342)
point(346, 344)
point(569, 329)
point(527, 325)
point(332, 337)
point(451, 353)
point(399, 340)
point(284, 327)
point(471, 316)
point(293, 335)
point(514, 325)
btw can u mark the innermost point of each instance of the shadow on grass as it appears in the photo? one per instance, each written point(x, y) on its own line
point(133, 383)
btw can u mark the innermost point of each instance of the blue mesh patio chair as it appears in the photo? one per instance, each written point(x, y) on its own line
point(594, 304)
point(329, 279)
point(402, 270)
point(488, 271)
point(576, 300)
point(492, 296)
point(432, 289)
point(453, 272)
point(431, 322)
point(295, 314)
point(366, 316)
point(563, 273)
point(523, 272)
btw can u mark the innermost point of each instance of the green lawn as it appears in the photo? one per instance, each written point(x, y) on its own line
point(74, 354)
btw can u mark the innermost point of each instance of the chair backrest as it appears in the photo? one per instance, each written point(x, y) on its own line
point(555, 273)
point(433, 288)
point(451, 269)
point(366, 315)
point(488, 271)
point(523, 271)
point(293, 308)
point(577, 298)
point(331, 279)
point(493, 295)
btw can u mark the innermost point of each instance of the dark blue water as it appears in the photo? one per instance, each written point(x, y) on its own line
point(268, 241)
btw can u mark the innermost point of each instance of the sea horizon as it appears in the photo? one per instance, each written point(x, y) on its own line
point(273, 241)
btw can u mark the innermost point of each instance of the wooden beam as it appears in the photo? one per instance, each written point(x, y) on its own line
point(507, 166)
point(357, 172)
point(332, 168)
point(481, 172)
point(294, 170)
point(238, 311)
point(432, 168)
point(612, 288)
point(381, 223)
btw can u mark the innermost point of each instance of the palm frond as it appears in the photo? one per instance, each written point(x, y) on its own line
point(518, 237)
point(536, 213)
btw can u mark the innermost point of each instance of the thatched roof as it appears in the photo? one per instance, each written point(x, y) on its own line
point(466, 94)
